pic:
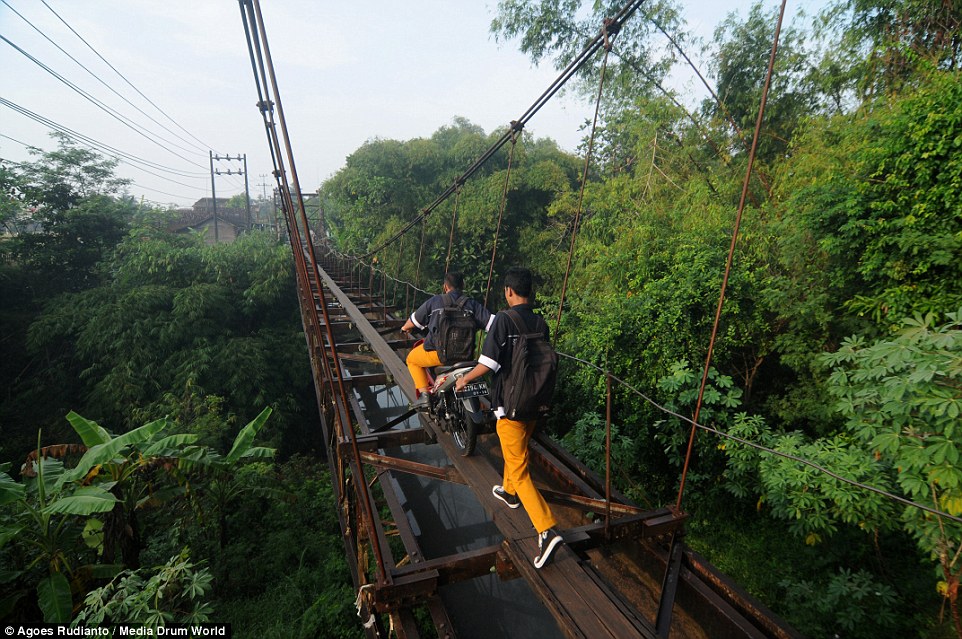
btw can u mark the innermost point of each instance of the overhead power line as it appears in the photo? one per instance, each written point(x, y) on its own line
point(124, 78)
point(133, 183)
point(147, 188)
point(106, 109)
point(117, 154)
point(197, 149)
point(29, 146)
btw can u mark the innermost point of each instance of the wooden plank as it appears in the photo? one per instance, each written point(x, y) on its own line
point(587, 504)
point(550, 452)
point(646, 525)
point(454, 568)
point(582, 609)
point(389, 438)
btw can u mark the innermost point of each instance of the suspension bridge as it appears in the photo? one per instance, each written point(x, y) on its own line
point(427, 544)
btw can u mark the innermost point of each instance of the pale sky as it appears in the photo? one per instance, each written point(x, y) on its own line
point(348, 72)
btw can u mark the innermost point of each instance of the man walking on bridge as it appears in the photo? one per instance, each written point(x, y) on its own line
point(496, 355)
point(431, 316)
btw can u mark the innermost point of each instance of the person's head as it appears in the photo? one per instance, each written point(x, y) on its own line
point(453, 281)
point(518, 281)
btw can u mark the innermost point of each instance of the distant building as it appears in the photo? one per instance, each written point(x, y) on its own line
point(231, 221)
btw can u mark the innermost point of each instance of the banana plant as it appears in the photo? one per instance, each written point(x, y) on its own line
point(60, 513)
point(45, 515)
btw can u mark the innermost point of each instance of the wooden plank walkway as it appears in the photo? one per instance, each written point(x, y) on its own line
point(583, 605)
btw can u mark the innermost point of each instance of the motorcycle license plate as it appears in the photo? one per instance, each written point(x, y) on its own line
point(472, 390)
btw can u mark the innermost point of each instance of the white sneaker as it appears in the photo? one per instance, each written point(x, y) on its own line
point(511, 500)
point(548, 541)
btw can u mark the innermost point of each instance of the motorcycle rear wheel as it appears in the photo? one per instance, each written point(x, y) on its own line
point(464, 432)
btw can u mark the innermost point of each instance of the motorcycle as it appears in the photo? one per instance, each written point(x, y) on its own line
point(465, 414)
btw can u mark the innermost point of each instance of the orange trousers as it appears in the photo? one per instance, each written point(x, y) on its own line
point(514, 438)
point(419, 359)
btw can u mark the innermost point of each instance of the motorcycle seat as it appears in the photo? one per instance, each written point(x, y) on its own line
point(441, 370)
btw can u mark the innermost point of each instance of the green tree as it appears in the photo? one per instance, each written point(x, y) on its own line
point(882, 46)
point(52, 517)
point(64, 219)
point(67, 215)
point(560, 29)
point(740, 63)
point(902, 398)
point(881, 209)
point(179, 319)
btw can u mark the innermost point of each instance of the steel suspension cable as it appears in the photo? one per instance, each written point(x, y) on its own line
point(760, 447)
point(584, 183)
point(634, 390)
point(731, 251)
point(267, 113)
point(688, 114)
point(728, 116)
point(253, 11)
point(417, 274)
point(501, 207)
point(397, 269)
point(454, 222)
point(612, 25)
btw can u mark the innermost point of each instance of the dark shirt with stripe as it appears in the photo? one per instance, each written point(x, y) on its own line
point(429, 314)
point(499, 344)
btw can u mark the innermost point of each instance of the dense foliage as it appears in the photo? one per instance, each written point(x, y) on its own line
point(839, 336)
point(169, 511)
point(853, 223)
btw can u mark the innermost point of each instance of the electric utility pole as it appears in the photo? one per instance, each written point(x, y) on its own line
point(229, 171)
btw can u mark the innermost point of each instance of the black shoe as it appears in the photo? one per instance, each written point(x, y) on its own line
point(511, 500)
point(422, 403)
point(548, 541)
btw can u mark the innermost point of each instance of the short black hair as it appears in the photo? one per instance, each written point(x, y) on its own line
point(518, 279)
point(455, 280)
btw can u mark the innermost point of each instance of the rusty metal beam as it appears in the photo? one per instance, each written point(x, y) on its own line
point(643, 526)
point(444, 473)
point(361, 347)
point(406, 590)
point(737, 597)
point(454, 568)
point(390, 438)
point(434, 604)
point(370, 379)
point(587, 503)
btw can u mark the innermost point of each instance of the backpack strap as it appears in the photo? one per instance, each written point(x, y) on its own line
point(461, 301)
point(517, 320)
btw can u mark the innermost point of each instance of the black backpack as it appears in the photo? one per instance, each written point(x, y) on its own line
point(456, 329)
point(529, 386)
